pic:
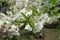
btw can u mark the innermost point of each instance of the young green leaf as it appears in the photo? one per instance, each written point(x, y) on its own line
point(24, 15)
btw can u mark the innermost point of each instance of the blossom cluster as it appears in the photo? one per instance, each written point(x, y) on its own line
point(24, 10)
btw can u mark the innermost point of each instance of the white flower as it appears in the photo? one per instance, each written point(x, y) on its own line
point(13, 28)
point(1, 23)
point(15, 33)
point(38, 27)
point(28, 28)
point(24, 6)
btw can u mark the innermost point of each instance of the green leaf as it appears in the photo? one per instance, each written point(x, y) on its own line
point(20, 21)
point(24, 15)
point(17, 22)
point(31, 24)
point(27, 19)
point(33, 13)
point(39, 13)
point(53, 2)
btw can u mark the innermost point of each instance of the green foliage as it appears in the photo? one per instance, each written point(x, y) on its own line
point(36, 12)
point(53, 2)
point(28, 21)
